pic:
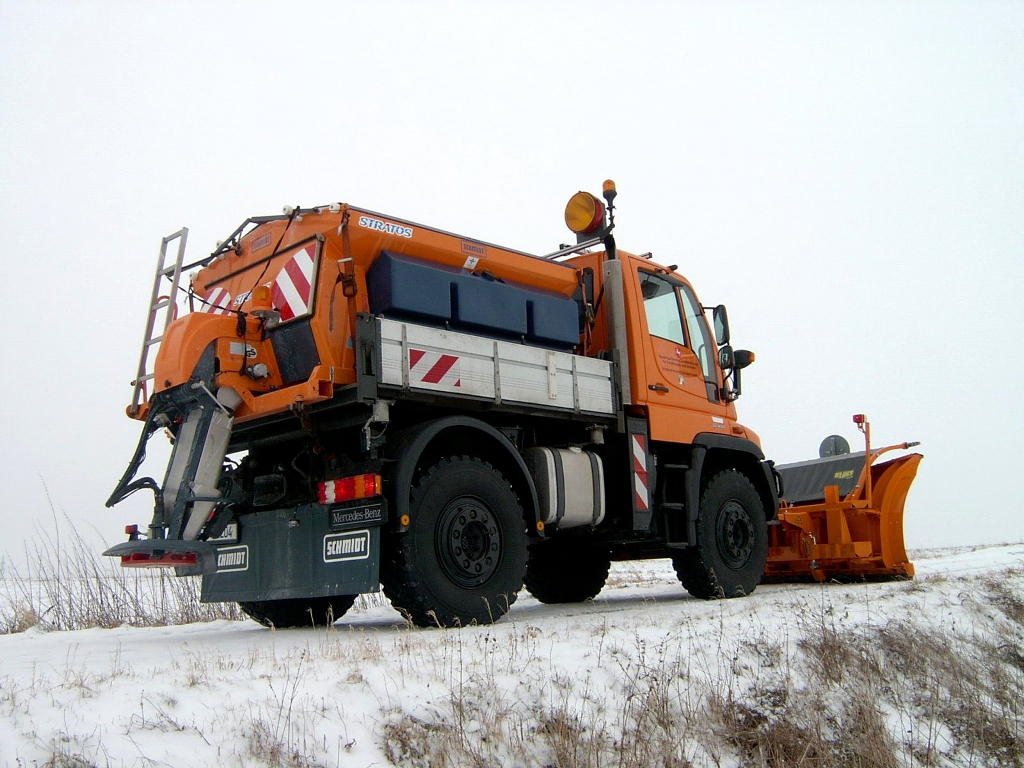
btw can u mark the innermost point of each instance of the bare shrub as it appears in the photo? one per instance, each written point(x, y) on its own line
point(828, 650)
point(967, 685)
point(999, 592)
point(268, 746)
point(768, 738)
point(862, 735)
point(69, 585)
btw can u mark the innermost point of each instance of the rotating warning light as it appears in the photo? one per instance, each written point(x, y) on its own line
point(608, 190)
point(261, 305)
point(260, 298)
point(584, 213)
point(858, 418)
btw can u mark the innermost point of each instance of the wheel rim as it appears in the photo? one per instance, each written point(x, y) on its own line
point(735, 535)
point(468, 542)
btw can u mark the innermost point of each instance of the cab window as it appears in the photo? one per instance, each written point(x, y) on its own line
point(661, 306)
point(700, 340)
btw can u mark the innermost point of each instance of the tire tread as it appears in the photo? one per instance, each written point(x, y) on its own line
point(399, 578)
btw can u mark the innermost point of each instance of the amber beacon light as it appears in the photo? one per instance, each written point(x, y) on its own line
point(584, 213)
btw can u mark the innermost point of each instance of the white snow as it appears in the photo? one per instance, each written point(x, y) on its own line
point(233, 693)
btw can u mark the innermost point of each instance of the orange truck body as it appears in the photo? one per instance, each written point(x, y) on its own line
point(676, 415)
point(283, 347)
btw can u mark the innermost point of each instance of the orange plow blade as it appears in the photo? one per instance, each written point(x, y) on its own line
point(856, 536)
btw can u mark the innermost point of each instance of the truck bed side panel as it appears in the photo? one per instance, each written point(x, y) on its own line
point(435, 360)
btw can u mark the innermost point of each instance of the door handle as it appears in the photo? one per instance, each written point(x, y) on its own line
point(657, 387)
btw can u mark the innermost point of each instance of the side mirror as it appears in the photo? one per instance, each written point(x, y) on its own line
point(721, 319)
point(733, 361)
point(726, 358)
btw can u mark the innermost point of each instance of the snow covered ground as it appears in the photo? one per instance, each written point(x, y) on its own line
point(928, 672)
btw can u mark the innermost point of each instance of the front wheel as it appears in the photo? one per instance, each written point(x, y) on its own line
point(732, 540)
point(463, 558)
point(298, 612)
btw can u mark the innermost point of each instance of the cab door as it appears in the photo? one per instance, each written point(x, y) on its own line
point(680, 385)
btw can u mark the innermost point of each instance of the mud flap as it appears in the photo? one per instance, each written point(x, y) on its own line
point(302, 552)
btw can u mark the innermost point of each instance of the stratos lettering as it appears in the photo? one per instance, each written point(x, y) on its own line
point(385, 226)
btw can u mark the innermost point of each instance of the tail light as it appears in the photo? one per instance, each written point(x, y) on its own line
point(349, 488)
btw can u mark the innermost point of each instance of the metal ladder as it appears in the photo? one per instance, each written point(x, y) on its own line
point(156, 303)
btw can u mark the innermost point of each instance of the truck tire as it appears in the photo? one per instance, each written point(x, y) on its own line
point(298, 612)
point(463, 558)
point(732, 540)
point(566, 571)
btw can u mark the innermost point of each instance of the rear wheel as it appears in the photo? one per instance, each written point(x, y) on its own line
point(732, 540)
point(569, 571)
point(463, 558)
point(299, 612)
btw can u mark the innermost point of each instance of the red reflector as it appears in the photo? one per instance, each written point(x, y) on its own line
point(145, 560)
point(349, 488)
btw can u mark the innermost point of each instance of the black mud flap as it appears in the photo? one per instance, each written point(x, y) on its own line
point(310, 551)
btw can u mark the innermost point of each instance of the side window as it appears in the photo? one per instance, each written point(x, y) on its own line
point(700, 338)
point(661, 307)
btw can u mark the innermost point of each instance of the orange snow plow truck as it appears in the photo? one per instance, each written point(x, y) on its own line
point(358, 401)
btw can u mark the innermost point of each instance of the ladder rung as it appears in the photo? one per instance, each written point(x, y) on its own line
point(675, 466)
point(173, 273)
point(672, 505)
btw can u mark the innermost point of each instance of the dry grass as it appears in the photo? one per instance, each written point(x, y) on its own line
point(841, 682)
point(837, 693)
point(69, 585)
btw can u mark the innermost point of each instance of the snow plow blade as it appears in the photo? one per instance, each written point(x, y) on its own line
point(858, 535)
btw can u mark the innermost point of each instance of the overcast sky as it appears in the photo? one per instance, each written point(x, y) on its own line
point(847, 177)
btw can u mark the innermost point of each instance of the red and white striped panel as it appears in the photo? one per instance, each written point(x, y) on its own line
point(218, 302)
point(641, 500)
point(433, 368)
point(292, 289)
